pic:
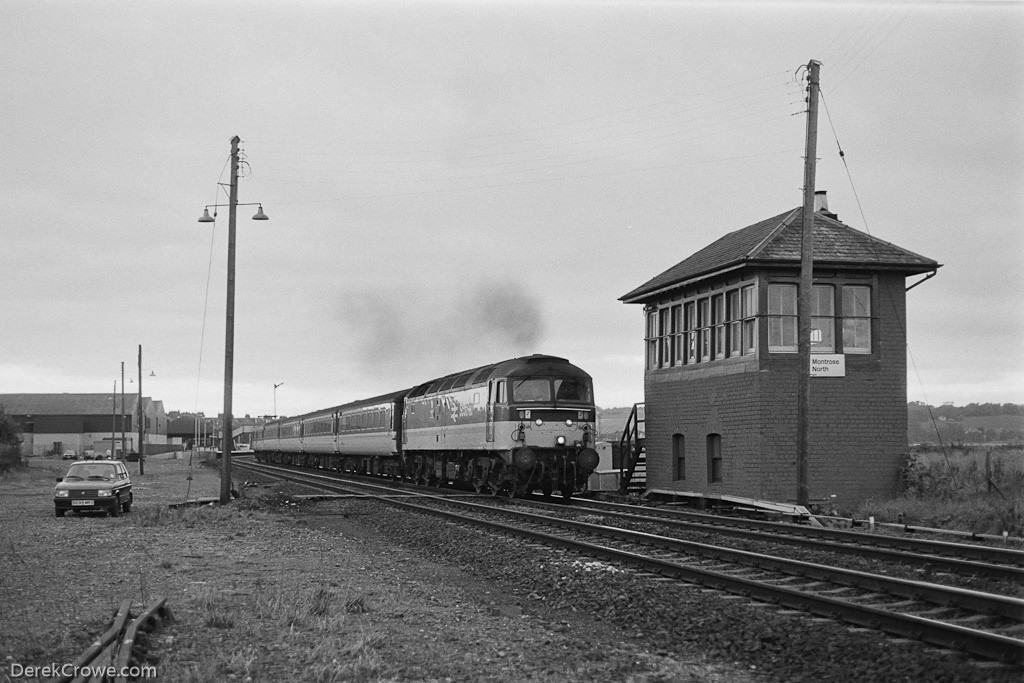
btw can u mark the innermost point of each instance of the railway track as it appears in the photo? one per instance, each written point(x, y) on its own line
point(1001, 564)
point(984, 625)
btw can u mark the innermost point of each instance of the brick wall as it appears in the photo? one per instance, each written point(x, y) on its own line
point(858, 423)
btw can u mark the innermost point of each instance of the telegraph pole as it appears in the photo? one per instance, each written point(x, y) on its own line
point(806, 290)
point(122, 413)
point(229, 334)
point(142, 422)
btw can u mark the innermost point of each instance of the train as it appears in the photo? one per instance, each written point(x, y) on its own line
point(510, 428)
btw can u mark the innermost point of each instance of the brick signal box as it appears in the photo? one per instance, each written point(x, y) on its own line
point(721, 378)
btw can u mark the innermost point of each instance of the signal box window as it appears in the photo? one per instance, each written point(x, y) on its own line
point(782, 318)
point(823, 319)
point(856, 319)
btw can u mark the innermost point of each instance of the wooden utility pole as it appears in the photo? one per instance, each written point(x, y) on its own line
point(229, 334)
point(122, 412)
point(805, 295)
point(142, 422)
point(113, 420)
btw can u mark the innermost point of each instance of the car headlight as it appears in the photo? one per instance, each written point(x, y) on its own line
point(104, 493)
point(61, 493)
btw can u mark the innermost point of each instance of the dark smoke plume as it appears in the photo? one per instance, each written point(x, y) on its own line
point(422, 333)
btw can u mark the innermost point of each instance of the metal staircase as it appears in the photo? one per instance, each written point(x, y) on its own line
point(633, 468)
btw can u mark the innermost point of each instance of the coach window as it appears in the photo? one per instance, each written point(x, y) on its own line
point(856, 319)
point(714, 458)
point(679, 455)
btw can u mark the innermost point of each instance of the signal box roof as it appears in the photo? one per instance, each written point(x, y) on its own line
point(775, 242)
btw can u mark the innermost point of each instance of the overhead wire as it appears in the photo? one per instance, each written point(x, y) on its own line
point(892, 301)
point(202, 333)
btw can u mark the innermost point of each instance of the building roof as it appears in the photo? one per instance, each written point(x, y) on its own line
point(776, 242)
point(67, 404)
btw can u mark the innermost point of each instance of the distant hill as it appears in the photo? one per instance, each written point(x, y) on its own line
point(972, 423)
point(611, 422)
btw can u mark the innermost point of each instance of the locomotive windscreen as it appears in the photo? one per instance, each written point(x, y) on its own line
point(539, 390)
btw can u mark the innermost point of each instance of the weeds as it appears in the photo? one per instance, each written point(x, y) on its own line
point(970, 490)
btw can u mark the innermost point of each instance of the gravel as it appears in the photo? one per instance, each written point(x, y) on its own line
point(270, 589)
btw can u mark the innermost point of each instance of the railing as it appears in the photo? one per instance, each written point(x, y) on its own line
point(633, 468)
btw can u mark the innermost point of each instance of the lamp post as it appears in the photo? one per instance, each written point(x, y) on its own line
point(275, 397)
point(229, 332)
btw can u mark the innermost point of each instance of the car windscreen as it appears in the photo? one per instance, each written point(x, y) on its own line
point(94, 472)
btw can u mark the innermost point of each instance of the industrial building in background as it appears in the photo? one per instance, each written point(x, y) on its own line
point(99, 424)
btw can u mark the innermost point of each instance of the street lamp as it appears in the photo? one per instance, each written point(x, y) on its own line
point(275, 397)
point(229, 334)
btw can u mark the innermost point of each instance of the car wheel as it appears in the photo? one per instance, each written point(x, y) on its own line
point(115, 509)
point(60, 513)
point(126, 507)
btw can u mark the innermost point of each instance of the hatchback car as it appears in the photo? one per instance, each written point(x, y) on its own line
point(70, 455)
point(94, 486)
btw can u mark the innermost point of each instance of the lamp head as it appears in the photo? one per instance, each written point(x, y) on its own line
point(260, 216)
point(206, 217)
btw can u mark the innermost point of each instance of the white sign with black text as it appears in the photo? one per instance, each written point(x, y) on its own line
point(828, 365)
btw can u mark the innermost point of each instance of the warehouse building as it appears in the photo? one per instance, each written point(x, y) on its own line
point(52, 424)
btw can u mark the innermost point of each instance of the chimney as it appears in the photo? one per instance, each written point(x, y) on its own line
point(821, 204)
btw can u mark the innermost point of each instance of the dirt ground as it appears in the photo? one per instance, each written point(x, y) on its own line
point(261, 591)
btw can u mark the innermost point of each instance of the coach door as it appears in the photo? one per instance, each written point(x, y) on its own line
point(492, 391)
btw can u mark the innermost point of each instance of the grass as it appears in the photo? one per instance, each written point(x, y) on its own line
point(968, 489)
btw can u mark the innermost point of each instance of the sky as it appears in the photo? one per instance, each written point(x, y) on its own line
point(450, 184)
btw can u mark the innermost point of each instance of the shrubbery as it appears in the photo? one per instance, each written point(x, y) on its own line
point(10, 443)
point(956, 490)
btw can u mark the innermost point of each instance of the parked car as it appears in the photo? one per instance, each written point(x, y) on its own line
point(69, 455)
point(90, 454)
point(94, 486)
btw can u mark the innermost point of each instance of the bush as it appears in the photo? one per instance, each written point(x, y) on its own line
point(958, 490)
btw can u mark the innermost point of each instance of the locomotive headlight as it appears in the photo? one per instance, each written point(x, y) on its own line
point(560, 441)
point(568, 423)
point(539, 422)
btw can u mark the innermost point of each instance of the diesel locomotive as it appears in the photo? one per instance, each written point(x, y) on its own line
point(509, 428)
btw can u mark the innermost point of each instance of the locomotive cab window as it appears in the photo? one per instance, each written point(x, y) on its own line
point(573, 390)
point(531, 390)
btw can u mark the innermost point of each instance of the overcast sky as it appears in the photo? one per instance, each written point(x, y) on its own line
point(455, 183)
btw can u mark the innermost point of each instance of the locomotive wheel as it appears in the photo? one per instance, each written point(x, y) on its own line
point(496, 478)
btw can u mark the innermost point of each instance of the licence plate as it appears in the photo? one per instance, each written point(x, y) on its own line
point(82, 502)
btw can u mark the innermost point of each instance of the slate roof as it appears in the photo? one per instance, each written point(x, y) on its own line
point(66, 404)
point(776, 242)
